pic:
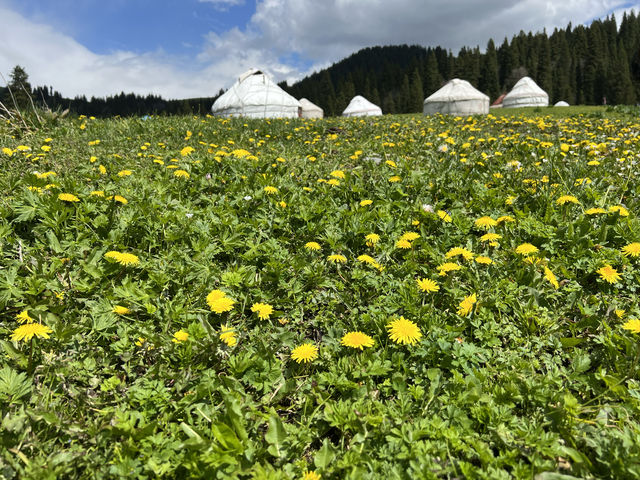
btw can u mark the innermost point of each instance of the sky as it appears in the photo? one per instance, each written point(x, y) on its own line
point(193, 48)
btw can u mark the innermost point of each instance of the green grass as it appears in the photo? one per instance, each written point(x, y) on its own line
point(534, 380)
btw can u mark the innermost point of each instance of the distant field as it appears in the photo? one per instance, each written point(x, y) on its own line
point(400, 296)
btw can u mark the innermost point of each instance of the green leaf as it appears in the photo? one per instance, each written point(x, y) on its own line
point(325, 455)
point(275, 436)
point(13, 385)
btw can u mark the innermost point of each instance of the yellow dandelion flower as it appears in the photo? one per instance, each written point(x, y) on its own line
point(181, 174)
point(372, 239)
point(312, 246)
point(526, 249)
point(228, 335)
point(459, 251)
point(367, 259)
point(269, 190)
point(333, 182)
point(567, 199)
point(395, 179)
point(364, 203)
point(403, 244)
point(633, 325)
point(506, 219)
point(338, 174)
point(444, 216)
point(186, 151)
point(466, 305)
point(124, 173)
point(120, 310)
point(180, 336)
point(98, 193)
point(609, 274)
point(410, 236)
point(448, 267)
point(7, 151)
point(124, 259)
point(404, 331)
point(357, 340)
point(68, 197)
point(551, 278)
point(30, 330)
point(263, 310)
point(623, 212)
point(102, 169)
point(485, 222)
point(620, 313)
point(311, 475)
point(484, 260)
point(594, 211)
point(307, 352)
point(23, 317)
point(219, 302)
point(427, 285)
point(337, 258)
point(631, 250)
point(490, 237)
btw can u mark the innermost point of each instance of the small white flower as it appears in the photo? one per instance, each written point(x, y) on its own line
point(427, 208)
point(208, 176)
point(189, 215)
point(248, 197)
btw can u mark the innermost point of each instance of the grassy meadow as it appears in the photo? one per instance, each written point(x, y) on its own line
point(390, 297)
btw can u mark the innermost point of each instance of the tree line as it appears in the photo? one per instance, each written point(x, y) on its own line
point(590, 65)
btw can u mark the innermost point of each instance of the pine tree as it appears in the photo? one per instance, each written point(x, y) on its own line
point(489, 82)
point(417, 97)
point(433, 79)
point(18, 90)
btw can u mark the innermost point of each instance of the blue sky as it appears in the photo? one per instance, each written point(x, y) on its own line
point(190, 48)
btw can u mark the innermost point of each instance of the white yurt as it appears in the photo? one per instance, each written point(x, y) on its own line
point(526, 93)
point(361, 107)
point(561, 103)
point(310, 109)
point(255, 95)
point(457, 97)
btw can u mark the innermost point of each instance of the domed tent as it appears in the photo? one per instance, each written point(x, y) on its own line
point(361, 107)
point(561, 103)
point(255, 95)
point(457, 97)
point(310, 110)
point(525, 93)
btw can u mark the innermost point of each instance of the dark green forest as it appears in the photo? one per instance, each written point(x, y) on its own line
point(586, 65)
point(583, 65)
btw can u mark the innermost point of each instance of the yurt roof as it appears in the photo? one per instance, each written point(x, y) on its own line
point(456, 89)
point(359, 104)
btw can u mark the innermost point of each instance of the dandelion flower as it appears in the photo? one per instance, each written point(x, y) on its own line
point(120, 310)
point(551, 278)
point(623, 212)
point(338, 174)
point(357, 340)
point(180, 336)
point(490, 237)
point(631, 250)
point(30, 330)
point(448, 267)
point(368, 259)
point(410, 236)
point(609, 274)
point(307, 352)
point(404, 331)
point(485, 222)
point(466, 305)
point(124, 173)
point(186, 151)
point(620, 313)
point(68, 197)
point(311, 475)
point(269, 190)
point(118, 198)
point(395, 179)
point(484, 260)
point(594, 211)
point(263, 310)
point(505, 218)
point(427, 285)
point(181, 173)
point(337, 258)
point(218, 302)
point(333, 182)
point(372, 239)
point(567, 199)
point(526, 249)
point(228, 336)
point(463, 252)
point(403, 243)
point(633, 325)
point(444, 216)
point(23, 317)
point(124, 259)
point(364, 203)
point(312, 246)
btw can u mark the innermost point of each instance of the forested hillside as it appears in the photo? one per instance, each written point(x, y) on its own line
point(589, 65)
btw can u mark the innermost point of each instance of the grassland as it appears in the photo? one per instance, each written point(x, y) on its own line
point(401, 297)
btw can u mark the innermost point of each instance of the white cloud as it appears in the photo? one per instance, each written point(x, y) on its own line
point(316, 33)
point(223, 4)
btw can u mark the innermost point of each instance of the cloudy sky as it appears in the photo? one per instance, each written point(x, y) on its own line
point(192, 48)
